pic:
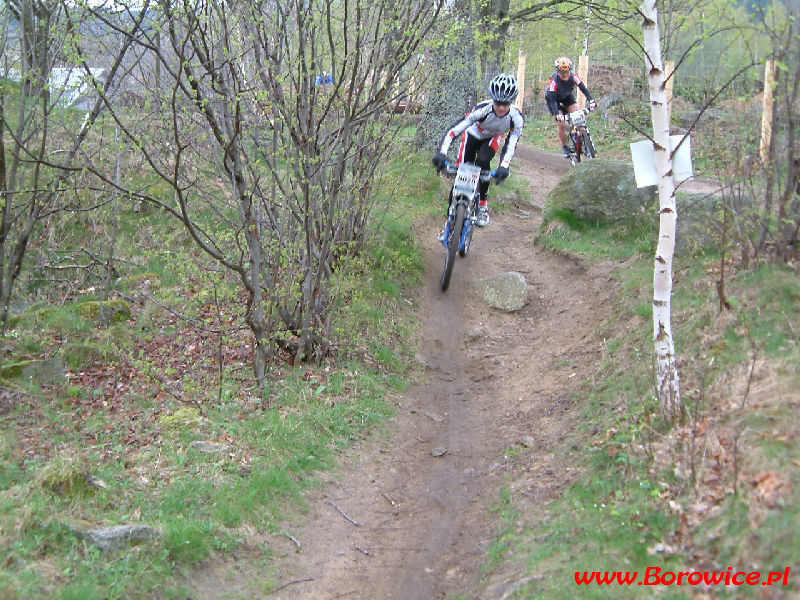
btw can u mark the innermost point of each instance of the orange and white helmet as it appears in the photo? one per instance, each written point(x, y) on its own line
point(563, 64)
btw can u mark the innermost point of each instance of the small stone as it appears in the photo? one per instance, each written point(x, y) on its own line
point(209, 447)
point(439, 451)
point(111, 539)
point(435, 417)
point(528, 441)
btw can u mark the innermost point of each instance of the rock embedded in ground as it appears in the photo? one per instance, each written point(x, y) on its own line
point(116, 537)
point(209, 447)
point(506, 291)
point(600, 191)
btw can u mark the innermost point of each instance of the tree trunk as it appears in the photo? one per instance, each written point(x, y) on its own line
point(496, 22)
point(454, 71)
point(667, 383)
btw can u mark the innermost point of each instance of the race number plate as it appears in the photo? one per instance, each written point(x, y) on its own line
point(467, 179)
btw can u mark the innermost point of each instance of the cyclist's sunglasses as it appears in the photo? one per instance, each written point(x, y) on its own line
point(502, 103)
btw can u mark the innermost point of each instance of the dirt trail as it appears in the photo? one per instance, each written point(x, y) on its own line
point(408, 514)
point(401, 522)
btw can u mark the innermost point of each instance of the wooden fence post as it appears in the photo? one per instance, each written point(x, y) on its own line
point(766, 114)
point(669, 80)
point(521, 80)
point(583, 73)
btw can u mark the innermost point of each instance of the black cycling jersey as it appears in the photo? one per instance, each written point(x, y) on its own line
point(560, 94)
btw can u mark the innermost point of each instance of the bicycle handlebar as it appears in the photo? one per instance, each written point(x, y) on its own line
point(486, 174)
point(584, 111)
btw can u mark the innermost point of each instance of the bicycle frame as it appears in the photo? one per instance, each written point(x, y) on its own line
point(462, 213)
point(465, 192)
point(577, 132)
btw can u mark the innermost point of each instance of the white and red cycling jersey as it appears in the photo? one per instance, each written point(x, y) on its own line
point(483, 124)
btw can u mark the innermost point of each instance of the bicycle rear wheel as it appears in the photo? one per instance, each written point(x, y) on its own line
point(588, 146)
point(452, 246)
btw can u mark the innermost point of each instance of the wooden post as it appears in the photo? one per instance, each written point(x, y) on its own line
point(521, 80)
point(766, 115)
point(669, 79)
point(583, 73)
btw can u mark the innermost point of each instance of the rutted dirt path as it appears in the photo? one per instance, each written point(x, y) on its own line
point(408, 515)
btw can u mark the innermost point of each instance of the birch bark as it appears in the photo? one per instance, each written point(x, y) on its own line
point(667, 382)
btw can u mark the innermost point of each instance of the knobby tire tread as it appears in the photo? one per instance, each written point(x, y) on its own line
point(588, 145)
point(452, 247)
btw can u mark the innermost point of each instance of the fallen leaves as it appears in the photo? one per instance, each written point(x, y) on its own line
point(769, 489)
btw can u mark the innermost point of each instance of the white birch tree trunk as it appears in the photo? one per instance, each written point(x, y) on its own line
point(668, 387)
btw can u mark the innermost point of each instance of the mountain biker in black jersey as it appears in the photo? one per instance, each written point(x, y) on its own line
point(560, 96)
point(483, 128)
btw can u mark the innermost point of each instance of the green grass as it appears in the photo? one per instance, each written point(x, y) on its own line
point(619, 509)
point(598, 241)
point(140, 448)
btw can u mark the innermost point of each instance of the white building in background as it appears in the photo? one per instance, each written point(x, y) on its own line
point(71, 86)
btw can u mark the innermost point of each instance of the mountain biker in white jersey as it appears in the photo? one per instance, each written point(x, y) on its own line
point(483, 129)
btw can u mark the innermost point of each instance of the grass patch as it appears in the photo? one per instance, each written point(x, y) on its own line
point(657, 495)
point(595, 241)
point(117, 442)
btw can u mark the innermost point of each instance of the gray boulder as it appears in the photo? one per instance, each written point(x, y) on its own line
point(601, 190)
point(700, 220)
point(114, 538)
point(111, 539)
point(506, 291)
point(49, 371)
point(699, 223)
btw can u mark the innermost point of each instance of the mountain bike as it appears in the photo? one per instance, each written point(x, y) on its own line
point(462, 214)
point(579, 139)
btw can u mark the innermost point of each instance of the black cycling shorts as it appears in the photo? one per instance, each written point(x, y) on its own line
point(563, 105)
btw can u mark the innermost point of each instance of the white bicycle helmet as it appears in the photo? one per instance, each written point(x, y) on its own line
point(503, 88)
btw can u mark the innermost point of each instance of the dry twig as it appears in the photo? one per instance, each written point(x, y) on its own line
point(296, 543)
point(288, 583)
point(341, 512)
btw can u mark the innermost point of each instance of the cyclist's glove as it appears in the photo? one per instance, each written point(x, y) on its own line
point(560, 117)
point(439, 161)
point(592, 104)
point(500, 174)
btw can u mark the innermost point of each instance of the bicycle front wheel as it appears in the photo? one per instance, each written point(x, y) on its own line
point(452, 246)
point(574, 149)
point(462, 252)
point(588, 146)
point(574, 155)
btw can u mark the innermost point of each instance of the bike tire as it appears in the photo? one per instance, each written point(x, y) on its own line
point(574, 157)
point(452, 246)
point(588, 146)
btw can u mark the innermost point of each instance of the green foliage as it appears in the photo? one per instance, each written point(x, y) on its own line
point(113, 311)
point(567, 233)
point(139, 441)
point(623, 502)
